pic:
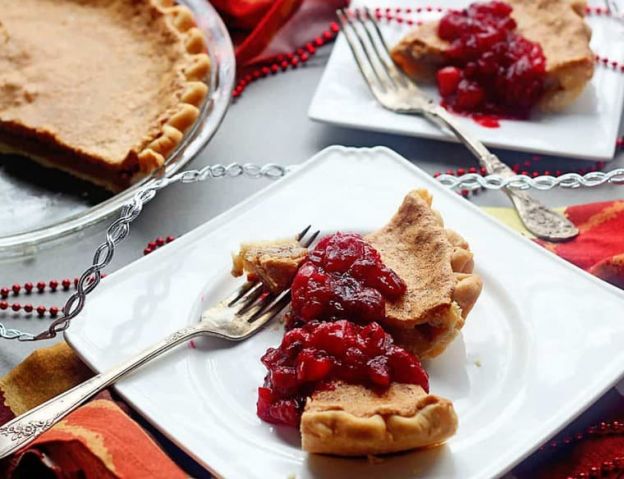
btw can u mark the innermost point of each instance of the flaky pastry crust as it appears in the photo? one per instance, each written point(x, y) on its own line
point(437, 266)
point(352, 420)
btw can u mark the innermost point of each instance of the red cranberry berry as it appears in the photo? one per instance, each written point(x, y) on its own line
point(448, 80)
point(493, 70)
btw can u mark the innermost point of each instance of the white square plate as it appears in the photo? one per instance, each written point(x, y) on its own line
point(587, 129)
point(543, 342)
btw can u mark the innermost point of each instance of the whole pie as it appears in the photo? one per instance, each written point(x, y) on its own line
point(503, 57)
point(102, 89)
point(363, 311)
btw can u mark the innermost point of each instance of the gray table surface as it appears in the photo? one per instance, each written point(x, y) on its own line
point(269, 124)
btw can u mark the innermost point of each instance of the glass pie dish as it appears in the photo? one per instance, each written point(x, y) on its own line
point(42, 206)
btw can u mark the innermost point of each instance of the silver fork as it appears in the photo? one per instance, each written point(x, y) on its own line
point(615, 9)
point(396, 92)
point(236, 318)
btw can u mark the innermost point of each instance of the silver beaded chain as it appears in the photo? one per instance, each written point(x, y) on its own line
point(120, 228)
point(473, 181)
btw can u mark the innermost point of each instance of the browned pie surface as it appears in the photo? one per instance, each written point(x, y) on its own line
point(353, 420)
point(99, 78)
point(437, 267)
point(416, 247)
point(401, 399)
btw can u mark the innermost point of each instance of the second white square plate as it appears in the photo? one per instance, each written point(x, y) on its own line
point(542, 343)
point(587, 129)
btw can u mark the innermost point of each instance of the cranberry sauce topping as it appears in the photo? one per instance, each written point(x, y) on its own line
point(343, 278)
point(492, 69)
point(312, 356)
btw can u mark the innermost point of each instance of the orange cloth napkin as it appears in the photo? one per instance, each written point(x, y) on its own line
point(98, 440)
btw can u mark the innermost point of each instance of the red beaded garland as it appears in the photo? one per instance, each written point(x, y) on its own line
point(157, 243)
point(603, 469)
point(287, 61)
point(53, 285)
point(28, 287)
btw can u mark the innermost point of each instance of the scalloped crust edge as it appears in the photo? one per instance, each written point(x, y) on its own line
point(447, 322)
point(153, 155)
point(335, 427)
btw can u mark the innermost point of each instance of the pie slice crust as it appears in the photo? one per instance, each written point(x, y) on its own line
point(352, 420)
point(275, 263)
point(437, 266)
point(103, 90)
point(557, 25)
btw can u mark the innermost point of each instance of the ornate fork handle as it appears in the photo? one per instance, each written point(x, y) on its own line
point(538, 219)
point(26, 428)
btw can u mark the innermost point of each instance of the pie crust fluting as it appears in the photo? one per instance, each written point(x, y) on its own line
point(557, 25)
point(352, 420)
point(436, 264)
point(103, 89)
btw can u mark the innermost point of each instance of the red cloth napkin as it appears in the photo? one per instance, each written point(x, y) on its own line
point(263, 29)
point(599, 249)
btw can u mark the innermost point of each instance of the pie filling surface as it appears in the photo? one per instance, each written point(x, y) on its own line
point(103, 89)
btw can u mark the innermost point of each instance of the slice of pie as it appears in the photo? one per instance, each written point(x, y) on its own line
point(436, 265)
point(352, 420)
point(339, 375)
point(557, 26)
point(101, 89)
point(352, 391)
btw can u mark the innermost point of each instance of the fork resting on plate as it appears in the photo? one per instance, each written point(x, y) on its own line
point(396, 92)
point(236, 318)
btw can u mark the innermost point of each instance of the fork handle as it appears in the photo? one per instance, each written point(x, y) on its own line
point(537, 218)
point(25, 428)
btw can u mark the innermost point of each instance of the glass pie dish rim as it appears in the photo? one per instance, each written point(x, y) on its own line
point(212, 112)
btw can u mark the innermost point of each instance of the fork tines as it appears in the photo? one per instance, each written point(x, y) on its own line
point(370, 50)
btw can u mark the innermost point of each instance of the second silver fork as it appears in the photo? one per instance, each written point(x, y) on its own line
point(396, 92)
point(238, 317)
